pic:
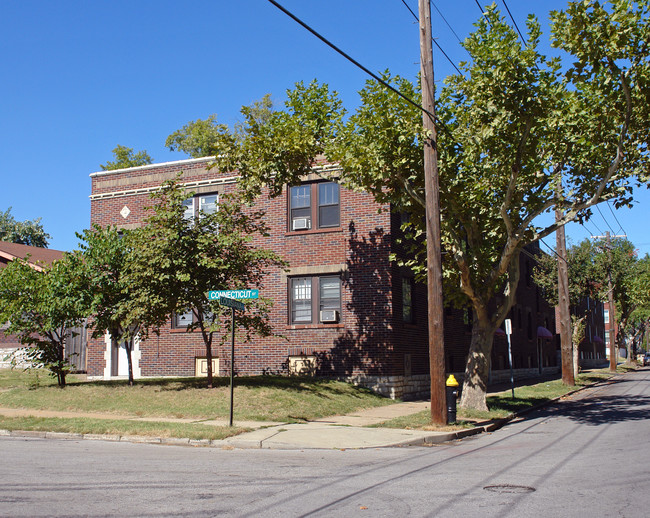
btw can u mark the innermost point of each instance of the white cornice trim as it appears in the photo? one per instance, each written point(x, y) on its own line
point(153, 166)
point(145, 190)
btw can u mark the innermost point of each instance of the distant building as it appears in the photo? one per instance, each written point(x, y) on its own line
point(33, 254)
point(610, 335)
point(36, 257)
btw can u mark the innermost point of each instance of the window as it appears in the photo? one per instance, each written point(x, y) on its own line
point(301, 300)
point(606, 315)
point(407, 300)
point(607, 339)
point(315, 299)
point(200, 205)
point(314, 205)
point(328, 205)
point(467, 318)
point(182, 320)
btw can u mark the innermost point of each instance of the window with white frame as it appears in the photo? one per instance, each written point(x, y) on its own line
point(200, 205)
point(315, 299)
point(606, 316)
point(182, 319)
point(314, 205)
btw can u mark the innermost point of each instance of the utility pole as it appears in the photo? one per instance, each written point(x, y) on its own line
point(432, 200)
point(566, 343)
point(613, 350)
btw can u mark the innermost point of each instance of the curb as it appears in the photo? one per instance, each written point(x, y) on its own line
point(138, 439)
point(243, 443)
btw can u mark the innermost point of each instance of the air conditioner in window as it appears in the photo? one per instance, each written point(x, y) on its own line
point(301, 224)
point(329, 315)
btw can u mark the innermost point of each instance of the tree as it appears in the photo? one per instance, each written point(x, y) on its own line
point(28, 232)
point(176, 260)
point(639, 321)
point(104, 253)
point(197, 137)
point(125, 157)
point(201, 137)
point(585, 281)
point(512, 130)
point(618, 258)
point(42, 308)
point(589, 264)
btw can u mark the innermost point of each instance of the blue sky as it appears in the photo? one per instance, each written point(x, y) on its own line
point(80, 77)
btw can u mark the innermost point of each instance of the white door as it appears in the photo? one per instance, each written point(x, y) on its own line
point(122, 362)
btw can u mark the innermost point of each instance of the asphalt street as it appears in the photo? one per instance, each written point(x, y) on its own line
point(585, 456)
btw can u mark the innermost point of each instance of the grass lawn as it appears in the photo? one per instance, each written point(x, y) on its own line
point(502, 405)
point(119, 427)
point(257, 398)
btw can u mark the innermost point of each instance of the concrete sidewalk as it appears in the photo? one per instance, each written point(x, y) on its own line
point(352, 431)
point(336, 432)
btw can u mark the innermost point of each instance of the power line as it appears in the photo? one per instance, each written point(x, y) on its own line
point(515, 23)
point(483, 13)
point(617, 221)
point(350, 59)
point(606, 222)
point(554, 252)
point(445, 20)
point(597, 228)
point(433, 39)
point(587, 229)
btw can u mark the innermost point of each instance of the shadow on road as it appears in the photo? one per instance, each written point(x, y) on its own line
point(601, 409)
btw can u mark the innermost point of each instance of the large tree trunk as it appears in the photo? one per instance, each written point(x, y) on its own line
point(478, 365)
point(578, 328)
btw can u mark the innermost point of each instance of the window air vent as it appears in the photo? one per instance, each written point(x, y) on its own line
point(329, 315)
point(300, 224)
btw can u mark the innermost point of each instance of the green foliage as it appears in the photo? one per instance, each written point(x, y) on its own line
point(29, 232)
point(590, 264)
point(630, 282)
point(586, 275)
point(125, 157)
point(519, 136)
point(174, 262)
point(273, 148)
point(197, 138)
point(104, 252)
point(42, 307)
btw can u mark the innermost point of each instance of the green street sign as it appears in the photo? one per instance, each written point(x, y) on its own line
point(234, 294)
point(232, 303)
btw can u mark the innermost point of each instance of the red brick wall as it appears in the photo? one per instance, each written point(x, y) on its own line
point(370, 338)
point(361, 342)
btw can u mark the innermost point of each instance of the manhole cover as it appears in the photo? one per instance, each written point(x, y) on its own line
point(509, 488)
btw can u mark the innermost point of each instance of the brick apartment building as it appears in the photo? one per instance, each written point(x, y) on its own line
point(342, 308)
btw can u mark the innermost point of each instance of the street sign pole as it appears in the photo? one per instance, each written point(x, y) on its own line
point(233, 305)
point(232, 366)
point(508, 323)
